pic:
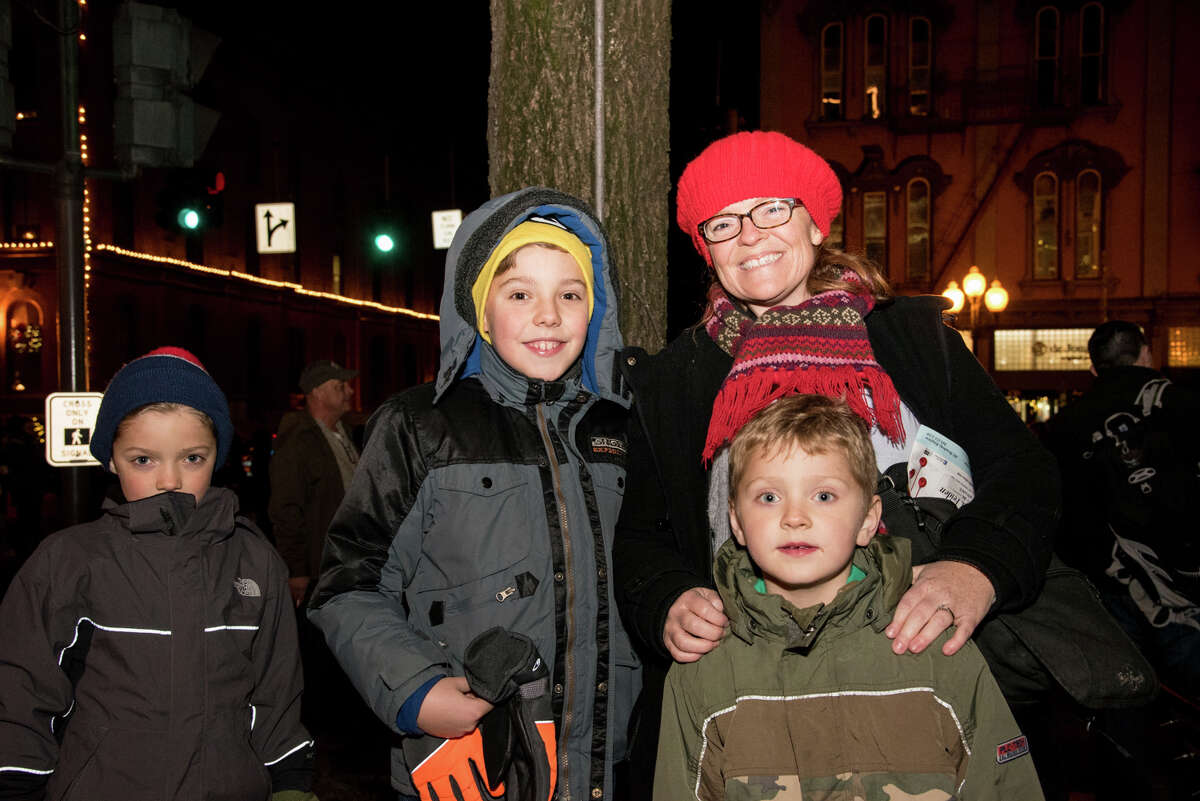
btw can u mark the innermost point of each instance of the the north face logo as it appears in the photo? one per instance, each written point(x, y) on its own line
point(247, 587)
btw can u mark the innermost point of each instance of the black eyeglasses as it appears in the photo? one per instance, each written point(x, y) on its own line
point(769, 214)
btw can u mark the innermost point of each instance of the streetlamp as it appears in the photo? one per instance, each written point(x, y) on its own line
point(975, 289)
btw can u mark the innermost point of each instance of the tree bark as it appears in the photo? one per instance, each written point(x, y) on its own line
point(542, 129)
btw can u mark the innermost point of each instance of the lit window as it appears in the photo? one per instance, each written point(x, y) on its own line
point(920, 59)
point(831, 72)
point(1046, 57)
point(1091, 55)
point(1087, 225)
point(918, 229)
point(875, 67)
point(1042, 349)
point(875, 228)
point(24, 347)
point(1183, 346)
point(1045, 226)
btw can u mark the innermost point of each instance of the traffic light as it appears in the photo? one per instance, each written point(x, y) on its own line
point(158, 57)
point(192, 201)
point(384, 238)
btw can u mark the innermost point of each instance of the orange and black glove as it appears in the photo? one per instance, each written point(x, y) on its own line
point(519, 744)
point(454, 772)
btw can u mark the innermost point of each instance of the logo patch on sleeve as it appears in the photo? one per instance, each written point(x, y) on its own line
point(1016, 747)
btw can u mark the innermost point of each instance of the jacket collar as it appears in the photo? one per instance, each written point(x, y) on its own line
point(176, 514)
point(886, 561)
point(510, 387)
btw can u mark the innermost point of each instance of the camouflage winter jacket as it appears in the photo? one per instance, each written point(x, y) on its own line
point(802, 703)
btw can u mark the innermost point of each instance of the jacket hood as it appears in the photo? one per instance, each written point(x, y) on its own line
point(475, 240)
point(886, 561)
point(177, 514)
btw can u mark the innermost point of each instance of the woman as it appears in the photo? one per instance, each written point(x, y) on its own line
point(758, 207)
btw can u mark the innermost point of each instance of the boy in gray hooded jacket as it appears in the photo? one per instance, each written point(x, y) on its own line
point(488, 499)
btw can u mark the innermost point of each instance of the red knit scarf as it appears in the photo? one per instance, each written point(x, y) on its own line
point(818, 347)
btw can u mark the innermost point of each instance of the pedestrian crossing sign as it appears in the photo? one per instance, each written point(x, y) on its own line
point(70, 420)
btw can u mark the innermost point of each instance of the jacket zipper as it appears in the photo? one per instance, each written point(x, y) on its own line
point(564, 786)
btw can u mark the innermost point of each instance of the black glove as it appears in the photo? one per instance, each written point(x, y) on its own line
point(519, 743)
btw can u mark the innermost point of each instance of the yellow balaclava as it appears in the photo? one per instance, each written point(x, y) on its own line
point(528, 233)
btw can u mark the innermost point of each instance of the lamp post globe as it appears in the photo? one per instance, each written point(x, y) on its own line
point(956, 297)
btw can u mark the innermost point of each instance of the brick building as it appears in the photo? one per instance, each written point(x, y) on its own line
point(1054, 145)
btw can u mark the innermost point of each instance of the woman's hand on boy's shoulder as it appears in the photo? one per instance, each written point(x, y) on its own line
point(450, 709)
point(695, 624)
point(943, 594)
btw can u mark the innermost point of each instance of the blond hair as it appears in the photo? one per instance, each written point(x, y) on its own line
point(814, 424)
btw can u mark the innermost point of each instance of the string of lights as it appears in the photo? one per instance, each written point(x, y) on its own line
point(255, 279)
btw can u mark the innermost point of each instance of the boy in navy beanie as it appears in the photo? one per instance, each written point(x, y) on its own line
point(152, 652)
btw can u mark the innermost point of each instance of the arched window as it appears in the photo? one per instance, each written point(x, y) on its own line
point(1088, 222)
point(1045, 62)
point(24, 330)
point(918, 229)
point(1091, 55)
point(875, 67)
point(920, 63)
point(831, 72)
point(875, 228)
point(1045, 226)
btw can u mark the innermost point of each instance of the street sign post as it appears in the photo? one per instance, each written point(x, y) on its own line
point(275, 226)
point(70, 421)
point(445, 223)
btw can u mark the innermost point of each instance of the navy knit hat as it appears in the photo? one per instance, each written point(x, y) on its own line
point(164, 375)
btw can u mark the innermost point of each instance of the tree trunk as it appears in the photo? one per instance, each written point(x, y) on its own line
point(542, 129)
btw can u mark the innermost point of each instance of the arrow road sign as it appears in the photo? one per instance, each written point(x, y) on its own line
point(275, 226)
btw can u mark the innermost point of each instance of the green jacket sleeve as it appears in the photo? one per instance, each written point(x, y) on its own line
point(1000, 767)
point(689, 757)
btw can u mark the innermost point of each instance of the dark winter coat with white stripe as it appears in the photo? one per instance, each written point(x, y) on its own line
point(152, 654)
point(490, 499)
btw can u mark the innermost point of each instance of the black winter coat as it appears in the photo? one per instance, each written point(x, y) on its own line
point(152, 654)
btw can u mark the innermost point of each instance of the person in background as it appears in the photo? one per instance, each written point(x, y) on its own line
point(152, 653)
point(1130, 459)
point(312, 466)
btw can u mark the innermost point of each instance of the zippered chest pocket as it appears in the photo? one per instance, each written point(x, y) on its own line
point(483, 519)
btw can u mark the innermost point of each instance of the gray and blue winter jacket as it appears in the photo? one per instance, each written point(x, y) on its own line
point(490, 499)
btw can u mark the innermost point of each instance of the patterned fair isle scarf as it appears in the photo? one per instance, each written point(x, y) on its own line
point(819, 347)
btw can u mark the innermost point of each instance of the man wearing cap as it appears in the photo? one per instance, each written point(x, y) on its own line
point(313, 463)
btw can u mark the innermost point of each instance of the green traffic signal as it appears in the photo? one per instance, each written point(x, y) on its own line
point(384, 243)
point(189, 219)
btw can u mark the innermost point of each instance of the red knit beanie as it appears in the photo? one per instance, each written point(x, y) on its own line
point(755, 164)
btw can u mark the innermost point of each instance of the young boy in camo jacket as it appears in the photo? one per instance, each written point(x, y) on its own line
point(805, 697)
